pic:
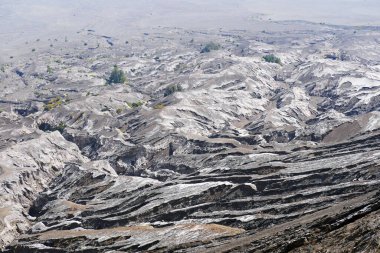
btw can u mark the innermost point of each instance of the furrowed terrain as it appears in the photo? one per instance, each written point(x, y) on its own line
point(204, 149)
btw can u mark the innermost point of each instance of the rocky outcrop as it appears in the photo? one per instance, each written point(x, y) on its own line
point(27, 168)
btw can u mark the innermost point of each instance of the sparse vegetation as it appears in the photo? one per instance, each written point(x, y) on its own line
point(135, 104)
point(38, 94)
point(53, 103)
point(119, 110)
point(159, 106)
point(61, 127)
point(172, 89)
point(49, 69)
point(272, 59)
point(33, 50)
point(117, 76)
point(210, 47)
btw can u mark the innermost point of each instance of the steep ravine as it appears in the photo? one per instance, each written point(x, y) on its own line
point(27, 169)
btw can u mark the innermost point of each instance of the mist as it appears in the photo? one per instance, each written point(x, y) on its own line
point(21, 20)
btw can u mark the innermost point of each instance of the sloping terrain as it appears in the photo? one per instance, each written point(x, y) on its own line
point(200, 151)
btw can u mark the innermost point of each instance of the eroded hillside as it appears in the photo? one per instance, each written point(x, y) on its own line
point(201, 150)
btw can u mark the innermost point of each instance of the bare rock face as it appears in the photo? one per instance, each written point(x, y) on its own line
point(27, 168)
point(271, 201)
point(199, 152)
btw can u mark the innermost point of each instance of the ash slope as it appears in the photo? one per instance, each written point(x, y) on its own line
point(248, 156)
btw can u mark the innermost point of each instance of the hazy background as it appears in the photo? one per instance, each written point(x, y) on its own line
point(21, 20)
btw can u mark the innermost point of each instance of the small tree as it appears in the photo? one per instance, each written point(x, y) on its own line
point(172, 89)
point(210, 47)
point(272, 59)
point(117, 76)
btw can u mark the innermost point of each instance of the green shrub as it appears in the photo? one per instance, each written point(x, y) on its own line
point(117, 76)
point(210, 47)
point(135, 104)
point(272, 59)
point(159, 106)
point(61, 127)
point(172, 89)
point(49, 69)
point(53, 103)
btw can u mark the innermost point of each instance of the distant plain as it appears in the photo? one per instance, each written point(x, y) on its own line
point(27, 20)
